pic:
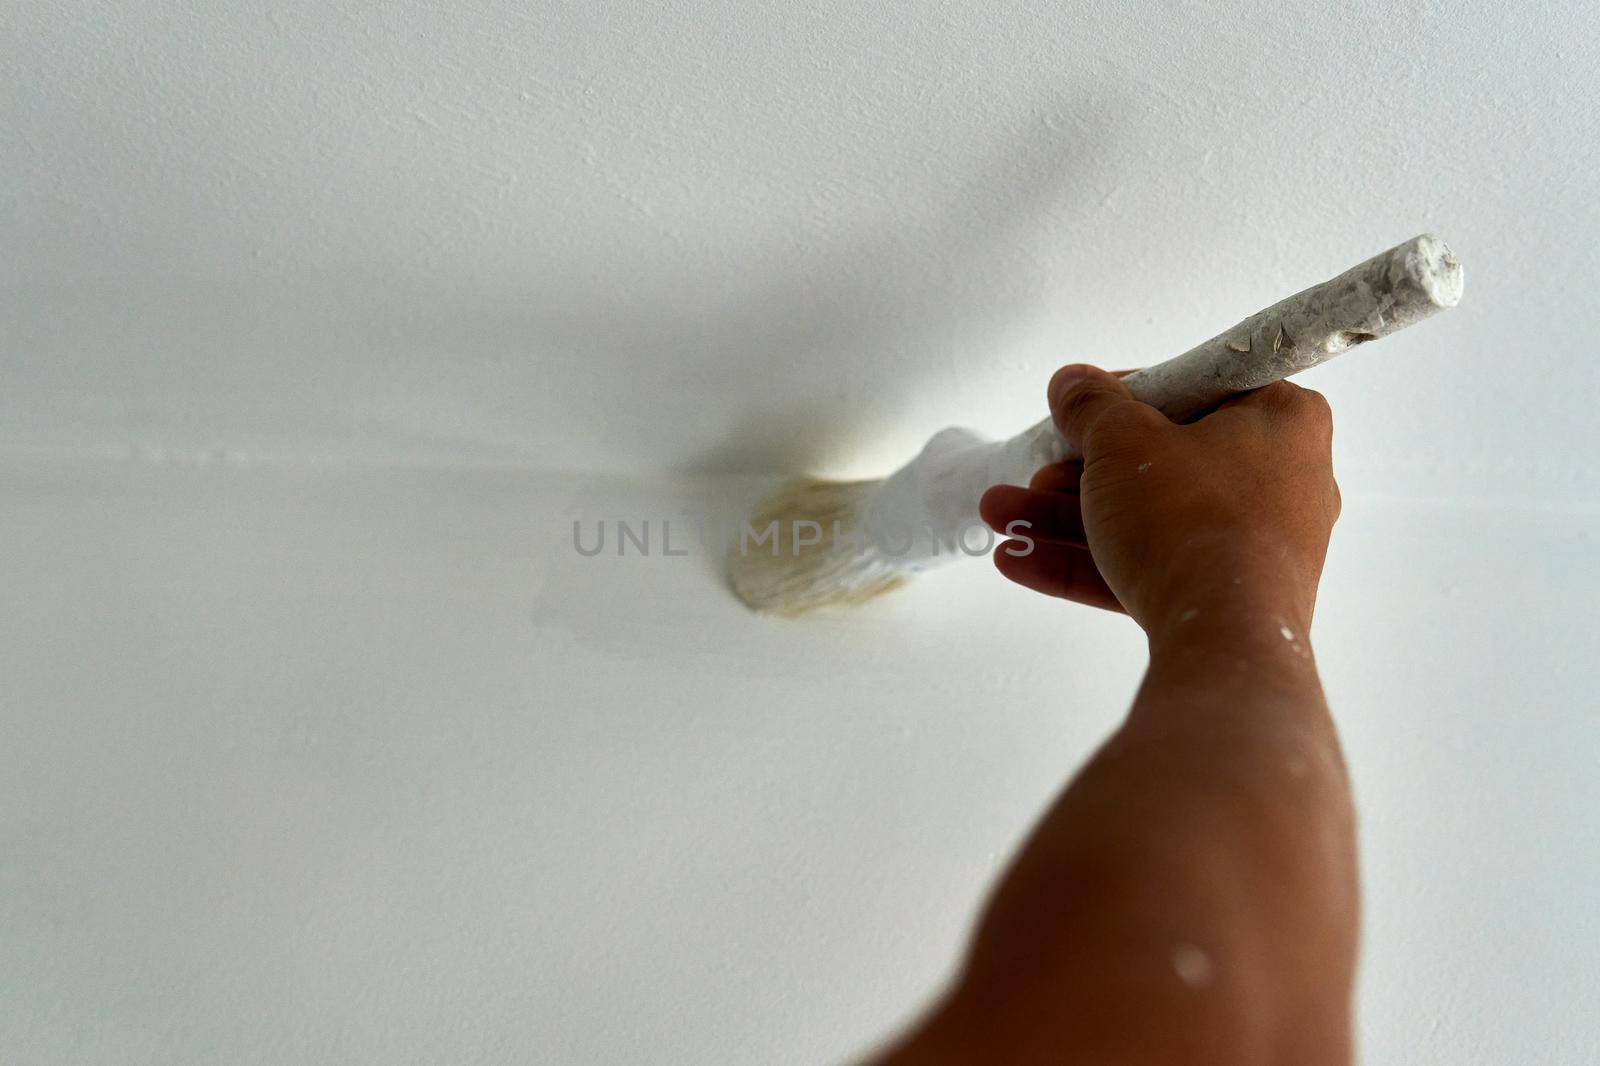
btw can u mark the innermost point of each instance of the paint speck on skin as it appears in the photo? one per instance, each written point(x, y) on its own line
point(1192, 965)
point(1294, 642)
point(1190, 615)
point(1238, 580)
point(1143, 467)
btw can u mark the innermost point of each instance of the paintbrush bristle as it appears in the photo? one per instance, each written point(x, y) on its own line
point(777, 575)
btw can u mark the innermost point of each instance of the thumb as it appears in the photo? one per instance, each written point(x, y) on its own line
point(1080, 396)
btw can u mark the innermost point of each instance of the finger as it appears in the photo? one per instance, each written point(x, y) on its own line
point(1058, 477)
point(1049, 515)
point(1063, 570)
point(1081, 398)
point(1263, 400)
point(1284, 403)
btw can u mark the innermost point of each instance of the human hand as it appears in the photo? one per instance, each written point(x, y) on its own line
point(1160, 519)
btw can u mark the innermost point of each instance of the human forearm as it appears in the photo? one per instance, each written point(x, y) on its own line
point(1231, 731)
point(1193, 890)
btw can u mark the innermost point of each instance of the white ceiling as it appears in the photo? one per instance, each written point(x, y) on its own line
point(735, 235)
point(299, 759)
point(369, 766)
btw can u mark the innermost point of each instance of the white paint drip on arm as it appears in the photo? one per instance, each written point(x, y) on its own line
point(1295, 643)
point(1192, 965)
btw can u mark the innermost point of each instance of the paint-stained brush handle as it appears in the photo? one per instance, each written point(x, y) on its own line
point(1388, 292)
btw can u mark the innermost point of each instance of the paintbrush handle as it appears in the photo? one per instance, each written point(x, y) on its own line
point(939, 489)
point(1388, 292)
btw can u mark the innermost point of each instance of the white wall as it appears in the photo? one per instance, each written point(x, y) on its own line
point(319, 743)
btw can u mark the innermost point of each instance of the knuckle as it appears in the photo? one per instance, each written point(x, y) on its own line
point(1288, 405)
point(1279, 394)
point(1299, 398)
point(1315, 406)
point(1073, 407)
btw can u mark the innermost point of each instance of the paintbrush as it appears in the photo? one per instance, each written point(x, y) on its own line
point(818, 543)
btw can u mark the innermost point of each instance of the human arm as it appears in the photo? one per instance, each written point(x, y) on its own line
point(1192, 896)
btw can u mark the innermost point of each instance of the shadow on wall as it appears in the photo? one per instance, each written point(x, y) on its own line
point(792, 358)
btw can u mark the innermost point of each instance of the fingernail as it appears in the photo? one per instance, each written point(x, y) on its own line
point(1064, 379)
